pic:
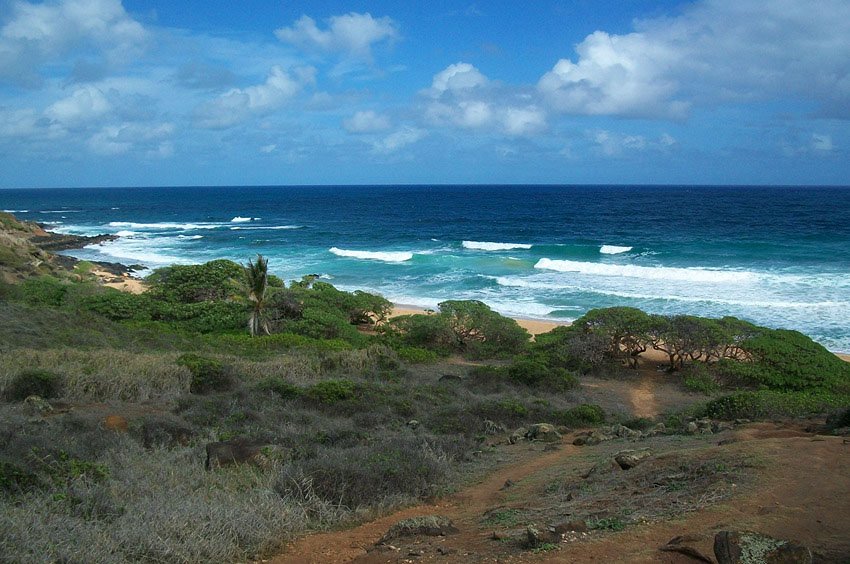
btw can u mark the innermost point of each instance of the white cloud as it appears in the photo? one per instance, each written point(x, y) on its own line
point(822, 143)
point(457, 77)
point(120, 139)
point(612, 144)
point(83, 106)
point(352, 34)
point(239, 104)
point(399, 139)
point(38, 34)
point(523, 121)
point(716, 51)
point(366, 121)
point(267, 149)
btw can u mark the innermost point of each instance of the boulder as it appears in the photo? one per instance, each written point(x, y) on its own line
point(543, 432)
point(426, 525)
point(624, 432)
point(493, 428)
point(743, 547)
point(535, 537)
point(603, 467)
point(628, 459)
point(517, 435)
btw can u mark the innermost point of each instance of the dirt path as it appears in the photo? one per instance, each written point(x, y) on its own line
point(464, 508)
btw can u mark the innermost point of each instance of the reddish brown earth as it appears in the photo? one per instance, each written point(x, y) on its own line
point(800, 491)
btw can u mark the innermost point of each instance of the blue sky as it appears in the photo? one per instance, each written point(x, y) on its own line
point(149, 93)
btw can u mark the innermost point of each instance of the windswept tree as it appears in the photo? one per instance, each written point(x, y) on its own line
point(256, 284)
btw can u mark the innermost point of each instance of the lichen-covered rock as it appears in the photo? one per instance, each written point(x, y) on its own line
point(37, 405)
point(747, 547)
point(517, 435)
point(628, 459)
point(543, 432)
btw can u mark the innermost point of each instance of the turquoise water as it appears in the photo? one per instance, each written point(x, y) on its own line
point(778, 256)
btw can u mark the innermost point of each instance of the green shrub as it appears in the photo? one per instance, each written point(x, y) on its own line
point(766, 404)
point(584, 414)
point(213, 281)
point(208, 374)
point(34, 383)
point(572, 349)
point(280, 387)
point(480, 332)
point(416, 355)
point(117, 305)
point(533, 373)
point(43, 291)
point(431, 332)
point(787, 361)
point(16, 480)
point(697, 378)
point(330, 392)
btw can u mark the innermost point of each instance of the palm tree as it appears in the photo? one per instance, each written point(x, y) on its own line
point(256, 283)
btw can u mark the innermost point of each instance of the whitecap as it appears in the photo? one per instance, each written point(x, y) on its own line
point(613, 249)
point(164, 225)
point(646, 272)
point(126, 233)
point(190, 237)
point(16, 211)
point(239, 219)
point(386, 256)
point(489, 246)
point(270, 227)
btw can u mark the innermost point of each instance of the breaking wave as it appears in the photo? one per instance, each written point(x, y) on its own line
point(613, 249)
point(488, 246)
point(645, 272)
point(385, 256)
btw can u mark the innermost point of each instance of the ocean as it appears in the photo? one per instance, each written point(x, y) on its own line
point(777, 256)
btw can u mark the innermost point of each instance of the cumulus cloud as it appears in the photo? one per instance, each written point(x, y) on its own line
point(37, 34)
point(239, 104)
point(352, 34)
point(152, 139)
point(716, 51)
point(366, 121)
point(821, 143)
point(461, 96)
point(397, 140)
point(455, 78)
point(83, 106)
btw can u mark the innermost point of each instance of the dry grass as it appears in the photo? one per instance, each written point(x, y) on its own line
point(103, 374)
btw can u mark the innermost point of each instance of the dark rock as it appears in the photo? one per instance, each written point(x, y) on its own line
point(682, 545)
point(575, 526)
point(427, 525)
point(628, 459)
point(450, 379)
point(508, 484)
point(535, 537)
point(63, 242)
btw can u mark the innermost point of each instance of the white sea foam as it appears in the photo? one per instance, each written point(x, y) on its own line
point(125, 233)
point(613, 249)
point(60, 211)
point(646, 272)
point(190, 237)
point(16, 211)
point(52, 222)
point(488, 246)
point(137, 250)
point(386, 256)
point(165, 225)
point(270, 227)
point(240, 219)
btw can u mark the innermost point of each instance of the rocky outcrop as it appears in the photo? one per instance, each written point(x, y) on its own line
point(747, 547)
point(628, 459)
point(543, 432)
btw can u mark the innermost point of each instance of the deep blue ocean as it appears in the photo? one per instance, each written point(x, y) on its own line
point(777, 256)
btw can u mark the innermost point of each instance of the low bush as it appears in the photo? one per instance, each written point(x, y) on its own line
point(330, 392)
point(534, 373)
point(584, 414)
point(43, 291)
point(34, 383)
point(416, 355)
point(389, 471)
point(208, 374)
point(280, 387)
point(698, 379)
point(766, 404)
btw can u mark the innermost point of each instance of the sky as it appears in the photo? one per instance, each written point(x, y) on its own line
point(262, 92)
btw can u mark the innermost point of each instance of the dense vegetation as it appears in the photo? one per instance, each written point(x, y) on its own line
point(359, 411)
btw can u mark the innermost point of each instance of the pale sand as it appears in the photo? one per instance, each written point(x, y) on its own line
point(126, 284)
